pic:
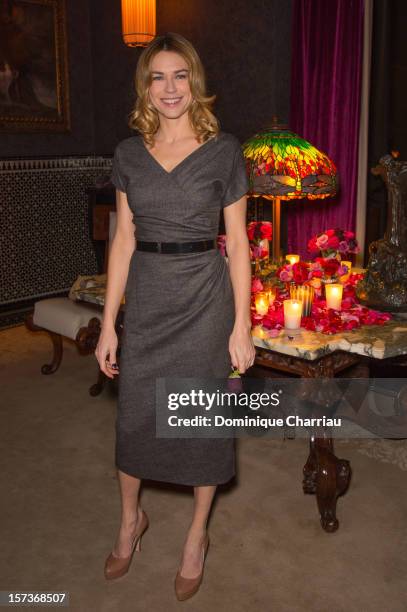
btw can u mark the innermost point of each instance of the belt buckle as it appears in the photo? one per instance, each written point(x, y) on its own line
point(159, 249)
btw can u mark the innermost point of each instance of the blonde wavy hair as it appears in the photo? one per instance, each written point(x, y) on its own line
point(144, 116)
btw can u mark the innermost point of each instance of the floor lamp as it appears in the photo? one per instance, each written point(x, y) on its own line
point(283, 166)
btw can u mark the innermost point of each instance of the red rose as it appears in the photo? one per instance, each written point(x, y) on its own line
point(333, 242)
point(266, 230)
point(330, 266)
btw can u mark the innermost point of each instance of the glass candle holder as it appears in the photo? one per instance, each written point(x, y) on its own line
point(270, 289)
point(292, 258)
point(261, 301)
point(333, 295)
point(292, 314)
point(305, 294)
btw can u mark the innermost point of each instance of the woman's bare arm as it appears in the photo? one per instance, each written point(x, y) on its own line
point(121, 250)
point(237, 246)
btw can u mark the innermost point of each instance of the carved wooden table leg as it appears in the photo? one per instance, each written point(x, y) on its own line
point(326, 476)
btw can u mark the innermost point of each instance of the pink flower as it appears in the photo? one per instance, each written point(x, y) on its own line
point(343, 247)
point(286, 276)
point(322, 241)
point(256, 285)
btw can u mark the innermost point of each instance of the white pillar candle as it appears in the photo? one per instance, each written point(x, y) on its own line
point(292, 259)
point(292, 314)
point(261, 301)
point(333, 294)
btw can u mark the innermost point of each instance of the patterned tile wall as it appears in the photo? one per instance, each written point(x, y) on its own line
point(44, 235)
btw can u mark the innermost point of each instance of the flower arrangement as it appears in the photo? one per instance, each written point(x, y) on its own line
point(326, 268)
point(322, 319)
point(333, 243)
point(312, 273)
point(259, 234)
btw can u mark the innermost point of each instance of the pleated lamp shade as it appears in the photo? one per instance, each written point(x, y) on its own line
point(138, 22)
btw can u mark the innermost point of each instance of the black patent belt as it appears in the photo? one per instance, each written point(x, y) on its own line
point(175, 247)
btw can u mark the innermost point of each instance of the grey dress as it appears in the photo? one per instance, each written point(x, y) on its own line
point(179, 310)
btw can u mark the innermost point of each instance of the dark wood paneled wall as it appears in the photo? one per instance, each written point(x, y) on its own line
point(245, 47)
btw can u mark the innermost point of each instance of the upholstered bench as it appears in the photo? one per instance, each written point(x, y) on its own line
point(62, 317)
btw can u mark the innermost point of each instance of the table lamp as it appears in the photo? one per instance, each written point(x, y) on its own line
point(283, 166)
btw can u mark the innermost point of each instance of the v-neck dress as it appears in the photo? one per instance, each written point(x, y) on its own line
point(179, 308)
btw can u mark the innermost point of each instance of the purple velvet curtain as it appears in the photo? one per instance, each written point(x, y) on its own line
point(326, 74)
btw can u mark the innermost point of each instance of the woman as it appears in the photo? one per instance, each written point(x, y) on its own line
point(186, 314)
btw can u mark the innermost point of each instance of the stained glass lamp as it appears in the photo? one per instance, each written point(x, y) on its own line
point(283, 166)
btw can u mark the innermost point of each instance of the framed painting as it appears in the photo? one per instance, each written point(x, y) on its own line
point(34, 89)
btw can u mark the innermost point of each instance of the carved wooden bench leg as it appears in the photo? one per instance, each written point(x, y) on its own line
point(86, 341)
point(56, 339)
point(328, 477)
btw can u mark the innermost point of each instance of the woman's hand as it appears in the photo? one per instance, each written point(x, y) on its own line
point(241, 348)
point(106, 352)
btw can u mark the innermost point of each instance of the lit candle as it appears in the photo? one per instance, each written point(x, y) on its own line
point(292, 259)
point(292, 314)
point(261, 301)
point(333, 294)
point(348, 264)
point(270, 289)
point(305, 294)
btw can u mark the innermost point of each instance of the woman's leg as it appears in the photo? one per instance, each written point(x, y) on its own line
point(131, 513)
point(192, 556)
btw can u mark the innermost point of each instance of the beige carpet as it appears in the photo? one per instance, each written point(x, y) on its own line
point(60, 510)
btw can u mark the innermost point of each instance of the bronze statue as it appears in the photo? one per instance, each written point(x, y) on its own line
point(385, 282)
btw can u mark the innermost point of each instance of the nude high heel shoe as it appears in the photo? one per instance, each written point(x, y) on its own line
point(115, 567)
point(186, 587)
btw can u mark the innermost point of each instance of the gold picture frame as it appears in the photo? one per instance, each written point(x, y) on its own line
point(34, 85)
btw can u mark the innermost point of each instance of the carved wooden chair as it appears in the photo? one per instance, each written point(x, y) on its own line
point(61, 317)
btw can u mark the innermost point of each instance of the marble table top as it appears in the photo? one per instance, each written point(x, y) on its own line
point(378, 341)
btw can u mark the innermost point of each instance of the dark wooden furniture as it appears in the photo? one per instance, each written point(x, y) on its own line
point(324, 475)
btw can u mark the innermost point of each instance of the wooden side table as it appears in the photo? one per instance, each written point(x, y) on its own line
point(324, 474)
point(315, 355)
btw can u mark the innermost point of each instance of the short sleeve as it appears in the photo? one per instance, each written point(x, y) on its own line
point(238, 184)
point(117, 176)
